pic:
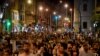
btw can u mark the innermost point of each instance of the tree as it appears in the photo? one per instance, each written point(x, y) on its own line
point(96, 17)
point(96, 20)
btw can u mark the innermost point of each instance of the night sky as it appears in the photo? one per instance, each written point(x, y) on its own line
point(2, 1)
point(53, 3)
point(50, 1)
point(57, 1)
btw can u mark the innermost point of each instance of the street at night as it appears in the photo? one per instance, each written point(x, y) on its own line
point(49, 27)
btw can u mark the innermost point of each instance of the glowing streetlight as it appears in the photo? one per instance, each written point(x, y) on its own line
point(66, 5)
point(29, 1)
point(54, 13)
point(60, 1)
point(70, 9)
point(46, 9)
point(59, 16)
point(40, 8)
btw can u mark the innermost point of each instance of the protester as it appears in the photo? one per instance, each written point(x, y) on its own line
point(48, 44)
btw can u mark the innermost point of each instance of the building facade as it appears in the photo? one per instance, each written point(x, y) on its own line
point(17, 13)
point(84, 9)
point(76, 16)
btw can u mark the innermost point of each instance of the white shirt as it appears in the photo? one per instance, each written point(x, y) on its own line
point(83, 53)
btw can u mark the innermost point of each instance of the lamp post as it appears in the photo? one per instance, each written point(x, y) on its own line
point(66, 6)
point(41, 8)
point(71, 18)
point(47, 17)
point(5, 15)
point(25, 5)
point(29, 1)
point(54, 13)
point(40, 12)
point(56, 19)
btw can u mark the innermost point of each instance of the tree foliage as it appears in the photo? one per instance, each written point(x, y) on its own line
point(96, 17)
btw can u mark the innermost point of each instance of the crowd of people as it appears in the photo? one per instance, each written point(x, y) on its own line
point(48, 44)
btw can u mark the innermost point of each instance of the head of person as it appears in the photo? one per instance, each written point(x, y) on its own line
point(95, 46)
point(6, 53)
point(60, 48)
point(22, 52)
point(69, 47)
point(74, 48)
point(86, 46)
point(26, 46)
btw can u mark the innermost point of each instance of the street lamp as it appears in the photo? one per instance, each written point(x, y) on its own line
point(59, 16)
point(60, 1)
point(70, 9)
point(5, 7)
point(56, 19)
point(71, 18)
point(40, 8)
point(46, 16)
point(54, 13)
point(41, 14)
point(46, 9)
point(66, 5)
point(29, 1)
